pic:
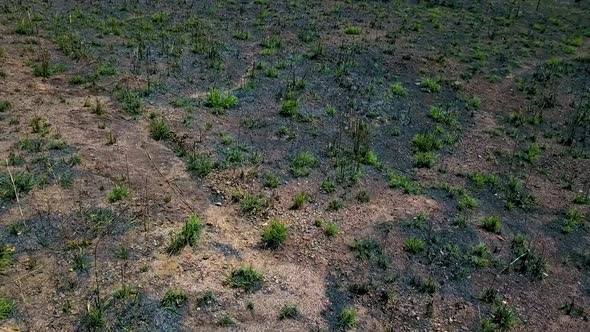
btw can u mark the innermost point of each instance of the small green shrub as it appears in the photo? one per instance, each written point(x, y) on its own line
point(491, 296)
point(221, 100)
point(429, 84)
point(289, 311)
point(6, 254)
point(246, 278)
point(174, 299)
point(481, 180)
point(402, 182)
point(503, 318)
point(39, 125)
point(363, 197)
point(516, 195)
point(530, 262)
point(466, 202)
point(118, 193)
point(254, 203)
point(348, 319)
point(492, 224)
point(226, 321)
point(531, 153)
point(94, 317)
point(274, 235)
point(397, 89)
point(582, 199)
point(189, 235)
point(45, 69)
point(330, 111)
point(289, 108)
point(370, 158)
point(5, 105)
point(132, 100)
point(207, 300)
point(271, 45)
point(424, 159)
point(299, 200)
point(6, 307)
point(428, 285)
point(573, 219)
point(440, 115)
point(331, 229)
point(25, 27)
point(335, 205)
point(481, 256)
point(199, 164)
point(367, 249)
point(24, 182)
point(159, 129)
point(303, 164)
point(327, 186)
point(81, 262)
point(352, 30)
point(271, 181)
point(426, 142)
point(414, 245)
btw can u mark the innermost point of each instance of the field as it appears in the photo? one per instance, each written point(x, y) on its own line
point(313, 165)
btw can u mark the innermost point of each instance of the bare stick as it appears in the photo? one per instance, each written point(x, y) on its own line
point(514, 261)
point(174, 187)
point(14, 188)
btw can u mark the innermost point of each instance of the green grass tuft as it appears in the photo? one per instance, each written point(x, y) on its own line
point(274, 235)
point(491, 224)
point(118, 193)
point(189, 235)
point(246, 278)
point(303, 164)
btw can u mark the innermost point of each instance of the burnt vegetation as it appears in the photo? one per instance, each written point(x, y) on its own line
point(294, 165)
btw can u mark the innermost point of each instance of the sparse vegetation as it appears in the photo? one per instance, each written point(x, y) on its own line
point(445, 142)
